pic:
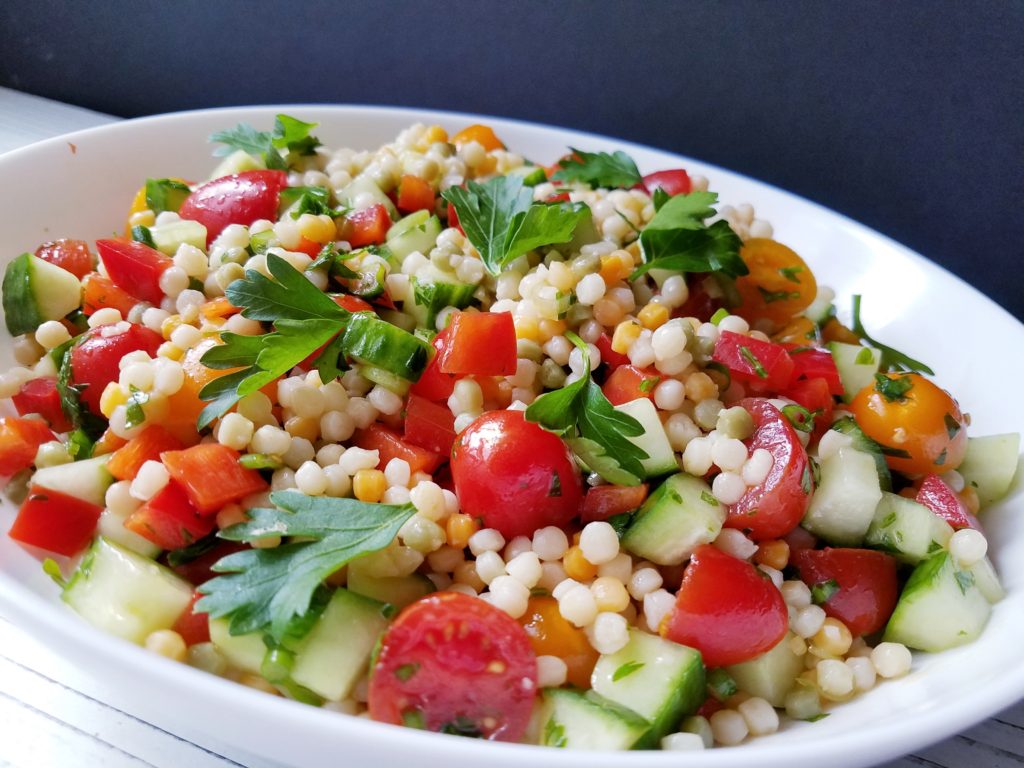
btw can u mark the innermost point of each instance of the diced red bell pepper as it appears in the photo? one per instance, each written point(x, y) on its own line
point(41, 396)
point(482, 344)
point(99, 291)
point(674, 182)
point(238, 199)
point(200, 570)
point(429, 425)
point(211, 476)
point(943, 501)
point(129, 458)
point(414, 194)
point(55, 521)
point(379, 438)
point(815, 363)
point(169, 519)
point(366, 227)
point(433, 384)
point(762, 365)
point(627, 383)
point(71, 255)
point(604, 501)
point(309, 247)
point(134, 267)
point(609, 356)
point(453, 219)
point(19, 441)
point(193, 627)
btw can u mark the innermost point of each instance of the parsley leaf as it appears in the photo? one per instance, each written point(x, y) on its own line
point(599, 169)
point(135, 415)
point(626, 670)
point(823, 591)
point(314, 200)
point(267, 589)
point(502, 222)
point(289, 295)
point(165, 195)
point(289, 134)
point(677, 239)
point(79, 415)
point(895, 389)
point(892, 359)
point(602, 442)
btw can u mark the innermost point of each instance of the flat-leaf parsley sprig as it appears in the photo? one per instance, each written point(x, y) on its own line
point(272, 589)
point(290, 134)
point(599, 169)
point(597, 433)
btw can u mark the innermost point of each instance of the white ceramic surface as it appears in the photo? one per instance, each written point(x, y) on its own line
point(80, 185)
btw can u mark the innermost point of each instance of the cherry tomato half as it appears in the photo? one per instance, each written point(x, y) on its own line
point(71, 255)
point(919, 425)
point(674, 182)
point(551, 634)
point(515, 476)
point(857, 586)
point(239, 199)
point(726, 609)
point(780, 283)
point(456, 664)
point(773, 508)
point(95, 359)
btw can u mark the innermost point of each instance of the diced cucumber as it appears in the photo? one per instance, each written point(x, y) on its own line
point(848, 426)
point(857, 366)
point(416, 232)
point(169, 237)
point(987, 580)
point(398, 591)
point(374, 342)
point(660, 680)
point(677, 518)
point(770, 675)
point(125, 594)
point(111, 527)
point(822, 307)
point(577, 720)
point(244, 652)
point(431, 296)
point(941, 607)
point(654, 442)
point(364, 190)
point(87, 480)
point(35, 291)
point(238, 161)
point(908, 530)
point(336, 652)
point(386, 379)
point(843, 504)
point(990, 465)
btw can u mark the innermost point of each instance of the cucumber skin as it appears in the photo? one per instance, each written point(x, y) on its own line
point(631, 727)
point(863, 443)
point(20, 311)
point(645, 537)
point(991, 465)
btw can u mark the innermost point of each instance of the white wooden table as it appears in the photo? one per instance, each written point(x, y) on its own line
point(53, 715)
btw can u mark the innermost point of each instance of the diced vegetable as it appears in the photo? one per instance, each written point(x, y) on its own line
point(211, 476)
point(55, 521)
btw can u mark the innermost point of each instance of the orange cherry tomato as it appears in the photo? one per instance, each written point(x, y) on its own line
point(552, 635)
point(481, 134)
point(780, 283)
point(919, 426)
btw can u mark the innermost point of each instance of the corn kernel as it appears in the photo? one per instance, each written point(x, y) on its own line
point(774, 553)
point(653, 316)
point(616, 266)
point(577, 566)
point(170, 325)
point(626, 333)
point(460, 528)
point(527, 328)
point(369, 485)
point(319, 229)
point(112, 397)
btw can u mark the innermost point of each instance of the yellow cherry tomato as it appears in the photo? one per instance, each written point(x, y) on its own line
point(481, 134)
point(919, 426)
point(779, 286)
point(552, 635)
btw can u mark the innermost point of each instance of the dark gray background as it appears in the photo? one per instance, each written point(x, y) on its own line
point(908, 116)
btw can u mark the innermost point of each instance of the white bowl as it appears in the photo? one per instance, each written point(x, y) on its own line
point(80, 186)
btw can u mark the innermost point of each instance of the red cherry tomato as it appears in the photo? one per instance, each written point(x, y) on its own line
point(238, 199)
point(604, 501)
point(134, 267)
point(761, 365)
point(19, 441)
point(773, 508)
point(429, 425)
point(41, 396)
point(72, 255)
point(455, 663)
point(193, 627)
point(627, 383)
point(514, 475)
point(860, 584)
point(675, 182)
point(55, 521)
point(943, 501)
point(813, 363)
point(366, 227)
point(814, 395)
point(95, 359)
point(726, 609)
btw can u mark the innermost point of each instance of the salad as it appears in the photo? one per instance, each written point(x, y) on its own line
point(566, 455)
